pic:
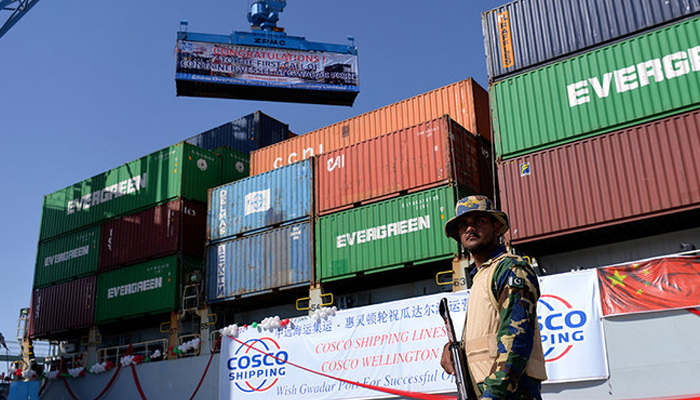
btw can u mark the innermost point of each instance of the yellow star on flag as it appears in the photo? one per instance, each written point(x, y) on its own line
point(617, 279)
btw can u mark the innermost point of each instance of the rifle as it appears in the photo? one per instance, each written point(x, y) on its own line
point(462, 378)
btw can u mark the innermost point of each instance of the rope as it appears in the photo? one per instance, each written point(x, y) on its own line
point(136, 380)
point(695, 311)
point(109, 384)
point(207, 368)
point(404, 393)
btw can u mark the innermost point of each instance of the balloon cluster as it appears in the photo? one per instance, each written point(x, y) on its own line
point(76, 372)
point(187, 346)
point(273, 323)
point(323, 313)
point(100, 368)
point(28, 374)
point(231, 330)
point(51, 375)
point(128, 360)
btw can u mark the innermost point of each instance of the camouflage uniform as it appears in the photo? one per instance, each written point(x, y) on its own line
point(516, 289)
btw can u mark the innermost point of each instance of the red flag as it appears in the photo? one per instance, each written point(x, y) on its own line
point(659, 284)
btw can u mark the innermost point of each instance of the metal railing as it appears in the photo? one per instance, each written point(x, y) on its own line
point(146, 349)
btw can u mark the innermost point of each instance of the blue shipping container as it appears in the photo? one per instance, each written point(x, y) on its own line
point(275, 197)
point(245, 134)
point(276, 258)
point(526, 33)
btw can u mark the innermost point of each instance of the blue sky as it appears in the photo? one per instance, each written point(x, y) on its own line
point(88, 85)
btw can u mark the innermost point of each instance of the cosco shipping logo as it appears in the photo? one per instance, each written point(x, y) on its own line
point(257, 365)
point(561, 326)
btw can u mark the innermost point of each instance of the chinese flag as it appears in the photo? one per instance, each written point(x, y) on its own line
point(651, 285)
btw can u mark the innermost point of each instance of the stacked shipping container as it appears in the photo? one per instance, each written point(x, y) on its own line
point(134, 230)
point(253, 248)
point(383, 182)
point(599, 132)
point(465, 102)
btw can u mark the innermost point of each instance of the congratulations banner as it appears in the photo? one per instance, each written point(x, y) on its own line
point(222, 63)
point(570, 323)
point(396, 345)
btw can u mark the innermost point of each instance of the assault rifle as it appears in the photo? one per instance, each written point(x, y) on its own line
point(462, 378)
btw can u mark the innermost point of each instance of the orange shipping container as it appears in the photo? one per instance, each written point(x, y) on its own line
point(429, 154)
point(465, 102)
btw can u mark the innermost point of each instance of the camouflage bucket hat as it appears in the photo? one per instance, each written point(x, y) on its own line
point(471, 204)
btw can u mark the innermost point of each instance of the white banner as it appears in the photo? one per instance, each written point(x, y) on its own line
point(399, 344)
point(395, 345)
point(569, 314)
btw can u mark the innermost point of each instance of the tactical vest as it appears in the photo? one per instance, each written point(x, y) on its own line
point(481, 328)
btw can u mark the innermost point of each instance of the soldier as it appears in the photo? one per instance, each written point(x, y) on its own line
point(501, 336)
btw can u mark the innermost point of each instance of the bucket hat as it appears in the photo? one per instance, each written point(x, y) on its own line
point(471, 204)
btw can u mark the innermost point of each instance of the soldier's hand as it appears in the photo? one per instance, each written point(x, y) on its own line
point(446, 360)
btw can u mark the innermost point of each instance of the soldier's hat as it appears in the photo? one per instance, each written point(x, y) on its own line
point(471, 204)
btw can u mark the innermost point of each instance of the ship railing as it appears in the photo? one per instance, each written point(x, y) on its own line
point(65, 362)
point(186, 338)
point(155, 350)
point(215, 335)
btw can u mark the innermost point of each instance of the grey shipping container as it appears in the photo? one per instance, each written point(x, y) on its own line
point(525, 33)
point(175, 227)
point(62, 308)
point(273, 259)
point(245, 134)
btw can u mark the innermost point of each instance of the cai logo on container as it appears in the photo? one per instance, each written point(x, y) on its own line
point(257, 365)
point(561, 326)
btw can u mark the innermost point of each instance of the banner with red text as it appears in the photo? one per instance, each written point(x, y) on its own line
point(273, 67)
point(660, 284)
point(396, 345)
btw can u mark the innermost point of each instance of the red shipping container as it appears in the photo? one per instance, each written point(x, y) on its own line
point(642, 172)
point(465, 101)
point(429, 154)
point(177, 226)
point(62, 308)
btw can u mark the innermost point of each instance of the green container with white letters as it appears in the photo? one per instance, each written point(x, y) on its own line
point(385, 235)
point(637, 80)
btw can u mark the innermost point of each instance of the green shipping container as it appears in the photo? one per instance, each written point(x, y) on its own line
point(640, 79)
point(235, 164)
point(386, 235)
point(143, 289)
point(67, 257)
point(182, 170)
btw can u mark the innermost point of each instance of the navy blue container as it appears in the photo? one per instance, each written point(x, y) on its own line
point(525, 33)
point(245, 134)
point(280, 196)
point(272, 259)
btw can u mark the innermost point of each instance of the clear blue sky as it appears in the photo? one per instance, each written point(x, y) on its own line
point(88, 85)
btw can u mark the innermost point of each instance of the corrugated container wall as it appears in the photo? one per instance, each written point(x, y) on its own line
point(465, 101)
point(235, 165)
point(526, 33)
point(641, 172)
point(181, 170)
point(430, 154)
point(178, 226)
point(152, 287)
point(245, 134)
point(260, 201)
point(627, 83)
point(273, 259)
point(62, 308)
point(387, 234)
point(67, 257)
